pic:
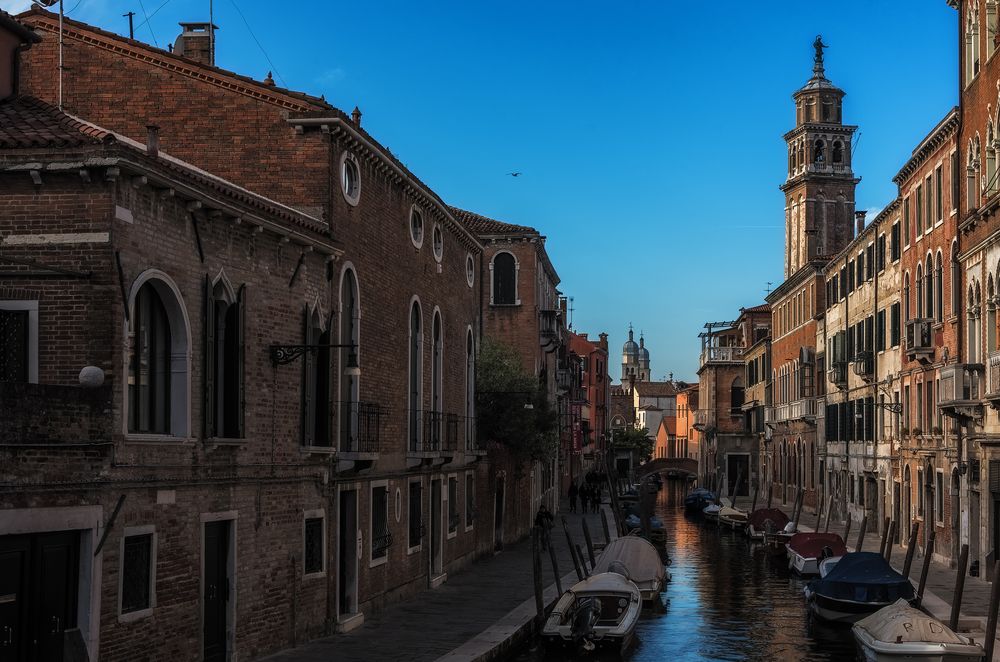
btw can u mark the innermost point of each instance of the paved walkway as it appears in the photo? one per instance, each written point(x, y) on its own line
point(437, 621)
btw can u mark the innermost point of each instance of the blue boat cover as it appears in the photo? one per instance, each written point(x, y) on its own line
point(864, 577)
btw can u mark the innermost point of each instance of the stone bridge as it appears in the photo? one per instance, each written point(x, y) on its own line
point(664, 464)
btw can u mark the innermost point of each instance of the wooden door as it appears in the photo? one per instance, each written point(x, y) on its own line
point(216, 587)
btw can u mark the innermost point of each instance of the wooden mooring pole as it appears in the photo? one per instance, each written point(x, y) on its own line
point(991, 624)
point(956, 600)
point(555, 567)
point(756, 489)
point(590, 543)
point(572, 553)
point(819, 514)
point(829, 512)
point(536, 568)
point(885, 537)
point(604, 525)
point(583, 564)
point(770, 494)
point(928, 553)
point(911, 546)
point(887, 554)
point(847, 529)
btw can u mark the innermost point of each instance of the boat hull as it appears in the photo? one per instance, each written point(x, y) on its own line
point(840, 611)
point(874, 650)
point(802, 565)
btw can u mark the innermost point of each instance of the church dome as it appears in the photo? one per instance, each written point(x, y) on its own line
point(643, 352)
point(630, 348)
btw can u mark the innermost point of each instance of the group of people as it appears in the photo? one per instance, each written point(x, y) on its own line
point(589, 494)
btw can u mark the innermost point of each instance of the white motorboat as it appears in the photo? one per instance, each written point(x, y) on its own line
point(641, 561)
point(601, 611)
point(806, 550)
point(900, 632)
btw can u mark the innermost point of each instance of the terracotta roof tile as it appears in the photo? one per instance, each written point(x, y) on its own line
point(654, 389)
point(26, 122)
point(480, 224)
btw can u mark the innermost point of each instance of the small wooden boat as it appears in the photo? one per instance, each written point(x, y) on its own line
point(900, 632)
point(860, 584)
point(601, 611)
point(711, 513)
point(765, 520)
point(697, 499)
point(734, 518)
point(641, 561)
point(806, 550)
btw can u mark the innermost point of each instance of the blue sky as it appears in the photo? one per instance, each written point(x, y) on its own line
point(648, 133)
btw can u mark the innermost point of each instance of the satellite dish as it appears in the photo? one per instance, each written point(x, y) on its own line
point(45, 3)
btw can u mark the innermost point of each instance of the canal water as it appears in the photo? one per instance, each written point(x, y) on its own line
point(729, 600)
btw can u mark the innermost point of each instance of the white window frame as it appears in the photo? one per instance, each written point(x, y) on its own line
point(32, 307)
point(129, 532)
point(468, 475)
point(420, 544)
point(352, 197)
point(447, 505)
point(517, 278)
point(318, 513)
point(373, 563)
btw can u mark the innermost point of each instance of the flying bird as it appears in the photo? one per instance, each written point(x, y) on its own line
point(514, 174)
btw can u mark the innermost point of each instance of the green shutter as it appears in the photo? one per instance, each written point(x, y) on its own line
point(208, 320)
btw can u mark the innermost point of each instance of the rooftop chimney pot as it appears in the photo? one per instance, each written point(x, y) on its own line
point(152, 140)
point(197, 42)
point(356, 116)
point(269, 80)
point(859, 219)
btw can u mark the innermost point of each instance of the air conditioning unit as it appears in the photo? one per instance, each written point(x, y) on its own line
point(920, 336)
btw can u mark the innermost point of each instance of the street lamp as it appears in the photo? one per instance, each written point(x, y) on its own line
point(285, 354)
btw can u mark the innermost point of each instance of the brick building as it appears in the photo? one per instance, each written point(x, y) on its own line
point(928, 184)
point(332, 480)
point(595, 392)
point(688, 437)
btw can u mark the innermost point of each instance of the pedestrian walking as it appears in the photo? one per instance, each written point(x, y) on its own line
point(573, 492)
point(584, 498)
point(595, 499)
point(544, 521)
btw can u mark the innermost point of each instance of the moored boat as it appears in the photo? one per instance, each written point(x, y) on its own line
point(711, 512)
point(641, 560)
point(806, 550)
point(601, 611)
point(860, 584)
point(734, 518)
point(900, 632)
point(697, 499)
point(764, 520)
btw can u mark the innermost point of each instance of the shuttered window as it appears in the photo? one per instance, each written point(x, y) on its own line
point(416, 523)
point(13, 345)
point(136, 569)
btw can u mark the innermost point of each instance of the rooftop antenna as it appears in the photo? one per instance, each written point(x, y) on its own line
point(767, 290)
point(131, 29)
point(570, 312)
point(47, 4)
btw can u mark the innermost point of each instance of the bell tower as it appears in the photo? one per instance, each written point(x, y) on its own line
point(819, 190)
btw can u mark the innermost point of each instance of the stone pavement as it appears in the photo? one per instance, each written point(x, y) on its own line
point(437, 621)
point(940, 587)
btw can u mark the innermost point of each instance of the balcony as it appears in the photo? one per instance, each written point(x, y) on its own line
point(961, 391)
point(549, 326)
point(564, 380)
point(993, 379)
point(360, 435)
point(864, 365)
point(703, 419)
point(722, 355)
point(920, 338)
point(436, 437)
point(798, 410)
point(837, 374)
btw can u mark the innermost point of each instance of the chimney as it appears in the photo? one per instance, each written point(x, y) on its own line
point(197, 42)
point(152, 140)
point(859, 221)
point(356, 116)
point(269, 80)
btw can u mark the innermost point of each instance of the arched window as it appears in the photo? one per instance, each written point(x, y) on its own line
point(991, 315)
point(736, 394)
point(504, 268)
point(158, 361)
point(972, 174)
point(224, 349)
point(350, 323)
point(818, 152)
point(938, 288)
point(415, 390)
point(316, 382)
point(802, 155)
point(919, 282)
point(149, 379)
point(956, 280)
point(470, 392)
point(929, 287)
point(838, 152)
point(991, 158)
point(436, 423)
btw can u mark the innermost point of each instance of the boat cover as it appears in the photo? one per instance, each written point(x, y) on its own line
point(810, 545)
point(863, 577)
point(639, 556)
point(634, 522)
point(761, 515)
point(900, 622)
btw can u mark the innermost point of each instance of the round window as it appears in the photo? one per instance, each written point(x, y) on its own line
point(416, 227)
point(438, 237)
point(350, 178)
point(470, 269)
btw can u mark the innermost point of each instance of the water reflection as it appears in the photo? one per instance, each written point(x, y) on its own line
point(728, 600)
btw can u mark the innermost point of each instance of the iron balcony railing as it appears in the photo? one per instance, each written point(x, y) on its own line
point(360, 427)
point(722, 355)
point(437, 431)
